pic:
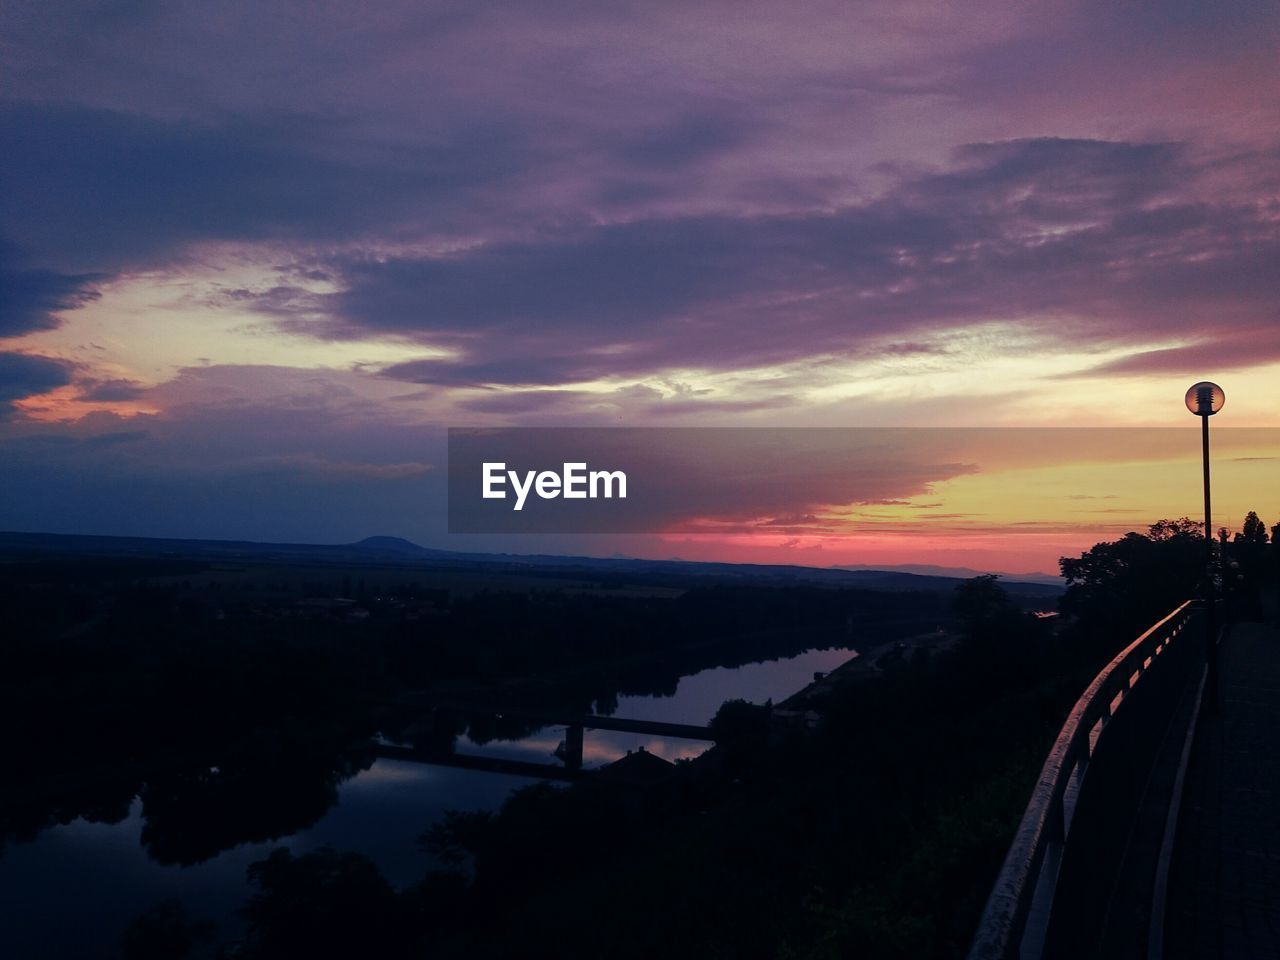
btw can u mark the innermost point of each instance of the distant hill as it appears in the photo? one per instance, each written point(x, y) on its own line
point(896, 580)
point(961, 573)
point(396, 545)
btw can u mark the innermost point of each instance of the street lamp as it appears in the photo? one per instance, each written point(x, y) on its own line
point(1204, 399)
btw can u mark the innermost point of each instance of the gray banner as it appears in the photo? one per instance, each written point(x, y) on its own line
point(708, 479)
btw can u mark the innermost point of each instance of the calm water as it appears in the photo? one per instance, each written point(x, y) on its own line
point(101, 875)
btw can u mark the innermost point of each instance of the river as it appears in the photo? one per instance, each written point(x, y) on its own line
point(103, 876)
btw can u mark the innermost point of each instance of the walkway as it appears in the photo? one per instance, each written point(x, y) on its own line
point(1224, 894)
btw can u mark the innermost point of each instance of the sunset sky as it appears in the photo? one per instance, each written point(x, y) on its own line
point(256, 257)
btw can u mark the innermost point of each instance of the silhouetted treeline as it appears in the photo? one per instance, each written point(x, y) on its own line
point(1124, 585)
point(111, 688)
point(521, 634)
point(1251, 563)
point(862, 838)
point(1120, 587)
point(874, 834)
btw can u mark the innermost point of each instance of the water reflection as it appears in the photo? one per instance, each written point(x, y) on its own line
point(105, 869)
point(697, 697)
point(599, 746)
point(693, 700)
point(191, 830)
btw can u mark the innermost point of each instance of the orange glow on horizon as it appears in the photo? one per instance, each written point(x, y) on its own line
point(1022, 511)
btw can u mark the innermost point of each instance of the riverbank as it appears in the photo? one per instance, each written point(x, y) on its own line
point(862, 667)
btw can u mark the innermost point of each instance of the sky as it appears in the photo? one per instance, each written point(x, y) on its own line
point(255, 258)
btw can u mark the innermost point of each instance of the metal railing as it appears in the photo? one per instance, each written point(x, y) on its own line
point(1016, 917)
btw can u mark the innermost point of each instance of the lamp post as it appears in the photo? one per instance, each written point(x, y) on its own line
point(1204, 399)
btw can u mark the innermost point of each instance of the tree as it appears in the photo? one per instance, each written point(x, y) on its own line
point(164, 932)
point(1119, 586)
point(1001, 642)
point(324, 904)
point(1254, 531)
point(980, 600)
point(456, 836)
point(1250, 544)
point(1163, 530)
point(741, 730)
point(1249, 551)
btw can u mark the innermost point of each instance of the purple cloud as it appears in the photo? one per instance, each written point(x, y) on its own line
point(110, 390)
point(118, 190)
point(1066, 238)
point(31, 299)
point(27, 375)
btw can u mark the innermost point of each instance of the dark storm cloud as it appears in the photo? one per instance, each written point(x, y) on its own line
point(114, 189)
point(30, 299)
point(27, 375)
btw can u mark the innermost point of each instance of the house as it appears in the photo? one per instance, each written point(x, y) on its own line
point(639, 768)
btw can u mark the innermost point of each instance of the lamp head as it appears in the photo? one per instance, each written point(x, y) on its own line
point(1204, 399)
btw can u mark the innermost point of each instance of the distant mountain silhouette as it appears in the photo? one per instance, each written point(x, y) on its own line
point(400, 545)
point(963, 573)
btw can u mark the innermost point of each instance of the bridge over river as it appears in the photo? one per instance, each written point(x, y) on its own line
point(473, 761)
point(575, 724)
